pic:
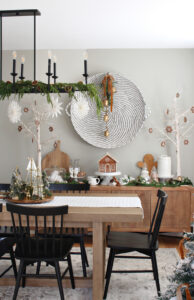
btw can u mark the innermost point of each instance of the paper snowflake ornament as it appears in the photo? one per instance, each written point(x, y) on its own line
point(14, 112)
point(81, 108)
point(55, 108)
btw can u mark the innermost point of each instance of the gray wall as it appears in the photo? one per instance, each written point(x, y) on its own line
point(158, 73)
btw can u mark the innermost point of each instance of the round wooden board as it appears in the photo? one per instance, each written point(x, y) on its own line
point(30, 201)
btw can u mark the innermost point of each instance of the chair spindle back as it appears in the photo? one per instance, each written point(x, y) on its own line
point(38, 227)
point(157, 217)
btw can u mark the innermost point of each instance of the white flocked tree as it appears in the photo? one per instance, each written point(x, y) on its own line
point(177, 127)
point(36, 113)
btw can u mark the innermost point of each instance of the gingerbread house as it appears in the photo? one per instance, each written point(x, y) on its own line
point(107, 164)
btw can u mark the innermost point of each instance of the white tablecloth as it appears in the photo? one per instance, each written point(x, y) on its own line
point(91, 201)
point(84, 201)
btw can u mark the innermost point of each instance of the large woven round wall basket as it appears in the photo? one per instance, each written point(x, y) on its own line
point(125, 120)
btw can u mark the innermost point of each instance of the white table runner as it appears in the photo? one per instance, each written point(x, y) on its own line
point(84, 201)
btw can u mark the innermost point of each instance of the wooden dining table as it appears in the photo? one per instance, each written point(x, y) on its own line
point(97, 219)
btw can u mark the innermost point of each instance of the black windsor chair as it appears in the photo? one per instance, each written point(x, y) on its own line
point(77, 234)
point(35, 244)
point(5, 231)
point(147, 244)
point(6, 246)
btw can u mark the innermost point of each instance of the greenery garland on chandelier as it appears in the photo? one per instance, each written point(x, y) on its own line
point(21, 87)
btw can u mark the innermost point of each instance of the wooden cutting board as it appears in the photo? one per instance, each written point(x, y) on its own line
point(56, 158)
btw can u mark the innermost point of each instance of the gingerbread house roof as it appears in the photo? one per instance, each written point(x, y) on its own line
point(107, 154)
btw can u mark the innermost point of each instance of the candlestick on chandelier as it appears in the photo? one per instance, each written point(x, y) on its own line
point(14, 74)
point(85, 55)
point(49, 74)
point(22, 69)
point(54, 69)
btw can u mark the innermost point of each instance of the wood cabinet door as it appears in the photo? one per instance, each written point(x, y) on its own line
point(177, 211)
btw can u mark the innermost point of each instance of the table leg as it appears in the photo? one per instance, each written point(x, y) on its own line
point(98, 260)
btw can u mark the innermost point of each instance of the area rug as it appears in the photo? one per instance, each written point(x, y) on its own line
point(122, 286)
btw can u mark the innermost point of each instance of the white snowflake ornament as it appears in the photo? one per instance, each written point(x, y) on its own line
point(81, 108)
point(55, 108)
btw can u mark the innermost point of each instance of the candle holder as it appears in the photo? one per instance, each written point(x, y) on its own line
point(49, 74)
point(21, 77)
point(54, 77)
point(13, 74)
point(86, 77)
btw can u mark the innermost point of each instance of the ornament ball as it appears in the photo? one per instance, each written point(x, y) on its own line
point(26, 109)
point(106, 118)
point(106, 133)
point(105, 103)
point(186, 142)
point(19, 128)
point(169, 129)
point(179, 178)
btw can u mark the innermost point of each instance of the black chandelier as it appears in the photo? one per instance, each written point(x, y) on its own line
point(33, 13)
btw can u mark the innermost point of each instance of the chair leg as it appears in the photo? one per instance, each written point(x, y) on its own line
point(108, 265)
point(38, 268)
point(86, 258)
point(83, 258)
point(24, 278)
point(19, 275)
point(155, 269)
point(13, 262)
point(58, 275)
point(71, 271)
point(109, 271)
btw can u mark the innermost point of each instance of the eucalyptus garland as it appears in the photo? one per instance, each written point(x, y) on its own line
point(22, 87)
point(140, 181)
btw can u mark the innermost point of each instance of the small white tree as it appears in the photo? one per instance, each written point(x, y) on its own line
point(37, 113)
point(176, 130)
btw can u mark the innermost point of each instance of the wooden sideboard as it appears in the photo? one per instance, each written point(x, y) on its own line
point(178, 212)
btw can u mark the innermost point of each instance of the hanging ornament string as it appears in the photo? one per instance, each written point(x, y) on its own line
point(107, 84)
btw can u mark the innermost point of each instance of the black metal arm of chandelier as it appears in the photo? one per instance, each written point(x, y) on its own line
point(34, 13)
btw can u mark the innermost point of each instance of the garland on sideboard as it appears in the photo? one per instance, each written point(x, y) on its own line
point(140, 181)
point(22, 87)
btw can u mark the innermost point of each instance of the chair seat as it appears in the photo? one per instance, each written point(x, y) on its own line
point(129, 241)
point(44, 249)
